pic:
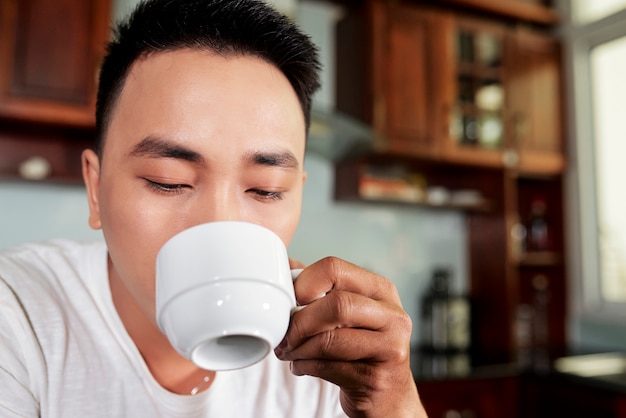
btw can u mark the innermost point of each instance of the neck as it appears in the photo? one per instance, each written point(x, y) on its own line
point(171, 370)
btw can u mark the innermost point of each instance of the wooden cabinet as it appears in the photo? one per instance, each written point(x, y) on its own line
point(50, 51)
point(440, 84)
point(518, 287)
point(475, 102)
point(491, 397)
point(387, 73)
point(557, 395)
point(502, 92)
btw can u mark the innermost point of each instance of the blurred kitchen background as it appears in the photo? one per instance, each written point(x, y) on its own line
point(458, 147)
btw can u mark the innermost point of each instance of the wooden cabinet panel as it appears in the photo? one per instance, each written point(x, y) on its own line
point(566, 396)
point(51, 50)
point(409, 86)
point(397, 50)
point(534, 99)
point(470, 398)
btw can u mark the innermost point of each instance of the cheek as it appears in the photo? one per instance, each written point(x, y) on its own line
point(285, 221)
point(134, 231)
point(135, 220)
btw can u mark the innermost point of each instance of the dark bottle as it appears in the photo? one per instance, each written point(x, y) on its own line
point(445, 316)
point(445, 329)
point(538, 233)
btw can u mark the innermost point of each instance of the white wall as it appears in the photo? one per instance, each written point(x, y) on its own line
point(32, 212)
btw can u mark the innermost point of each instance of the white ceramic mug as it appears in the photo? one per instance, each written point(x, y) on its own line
point(224, 293)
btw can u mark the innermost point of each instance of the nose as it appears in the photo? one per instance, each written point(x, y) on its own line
point(223, 202)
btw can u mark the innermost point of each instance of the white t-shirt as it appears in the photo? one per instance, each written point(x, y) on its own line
point(64, 352)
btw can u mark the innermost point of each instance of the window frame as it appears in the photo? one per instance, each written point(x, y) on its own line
point(584, 251)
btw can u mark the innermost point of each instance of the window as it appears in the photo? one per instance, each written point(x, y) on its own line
point(608, 66)
point(596, 40)
point(585, 11)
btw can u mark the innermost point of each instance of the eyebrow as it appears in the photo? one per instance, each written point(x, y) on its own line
point(153, 147)
point(281, 159)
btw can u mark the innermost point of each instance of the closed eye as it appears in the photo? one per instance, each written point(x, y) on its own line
point(171, 188)
point(266, 194)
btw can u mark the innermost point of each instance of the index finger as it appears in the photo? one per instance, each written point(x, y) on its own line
point(332, 273)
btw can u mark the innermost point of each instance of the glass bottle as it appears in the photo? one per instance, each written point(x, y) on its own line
point(537, 230)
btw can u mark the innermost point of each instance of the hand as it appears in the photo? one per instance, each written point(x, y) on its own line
point(353, 333)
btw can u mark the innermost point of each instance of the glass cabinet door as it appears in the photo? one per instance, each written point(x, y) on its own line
point(477, 118)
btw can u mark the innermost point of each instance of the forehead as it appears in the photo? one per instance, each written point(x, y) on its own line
point(194, 93)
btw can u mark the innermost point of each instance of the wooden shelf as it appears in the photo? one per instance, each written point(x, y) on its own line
point(484, 206)
point(52, 152)
point(381, 179)
point(540, 259)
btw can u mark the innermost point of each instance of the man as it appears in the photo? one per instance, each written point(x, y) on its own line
point(203, 108)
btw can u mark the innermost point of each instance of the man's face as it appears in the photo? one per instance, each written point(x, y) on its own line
point(195, 137)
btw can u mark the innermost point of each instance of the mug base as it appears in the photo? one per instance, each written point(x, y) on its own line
point(229, 352)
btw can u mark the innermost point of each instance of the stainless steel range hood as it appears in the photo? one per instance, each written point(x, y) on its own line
point(335, 136)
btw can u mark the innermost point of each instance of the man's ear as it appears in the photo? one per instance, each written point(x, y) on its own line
point(91, 177)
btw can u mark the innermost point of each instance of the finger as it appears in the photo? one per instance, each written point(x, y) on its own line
point(337, 309)
point(341, 373)
point(364, 377)
point(349, 344)
point(333, 273)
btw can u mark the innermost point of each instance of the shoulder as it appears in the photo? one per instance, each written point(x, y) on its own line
point(40, 273)
point(50, 249)
point(48, 259)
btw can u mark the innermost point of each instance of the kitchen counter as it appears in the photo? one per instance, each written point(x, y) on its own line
point(575, 386)
point(601, 370)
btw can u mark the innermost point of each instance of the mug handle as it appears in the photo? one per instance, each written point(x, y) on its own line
point(294, 275)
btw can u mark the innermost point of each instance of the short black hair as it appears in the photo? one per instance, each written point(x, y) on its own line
point(227, 27)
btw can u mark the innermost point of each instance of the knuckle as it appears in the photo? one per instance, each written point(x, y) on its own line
point(405, 324)
point(332, 264)
point(327, 344)
point(386, 290)
point(398, 350)
point(295, 330)
point(400, 353)
point(341, 306)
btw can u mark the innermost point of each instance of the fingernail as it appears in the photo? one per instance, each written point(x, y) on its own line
point(278, 352)
point(282, 345)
